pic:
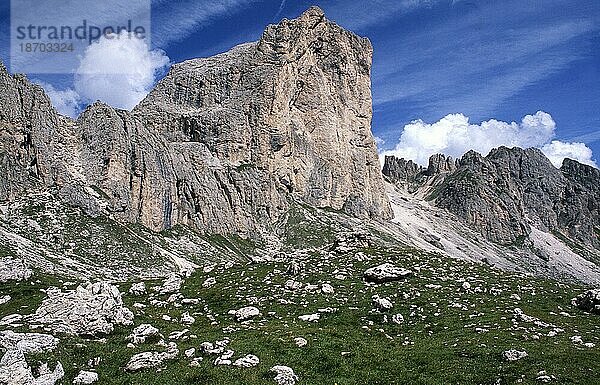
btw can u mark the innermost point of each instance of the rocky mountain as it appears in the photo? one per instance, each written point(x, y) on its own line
point(247, 145)
point(223, 145)
point(237, 222)
point(506, 193)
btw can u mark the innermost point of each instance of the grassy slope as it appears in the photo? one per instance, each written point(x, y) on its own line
point(437, 344)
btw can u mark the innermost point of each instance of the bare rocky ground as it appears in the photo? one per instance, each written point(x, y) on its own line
point(336, 302)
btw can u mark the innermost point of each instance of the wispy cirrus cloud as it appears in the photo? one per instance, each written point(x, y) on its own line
point(360, 16)
point(174, 21)
point(438, 68)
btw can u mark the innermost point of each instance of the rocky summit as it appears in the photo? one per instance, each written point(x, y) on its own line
point(236, 227)
point(221, 144)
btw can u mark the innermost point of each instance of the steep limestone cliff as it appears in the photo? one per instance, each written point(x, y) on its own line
point(296, 104)
point(222, 144)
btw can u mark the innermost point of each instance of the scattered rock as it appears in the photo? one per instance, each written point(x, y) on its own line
point(246, 313)
point(138, 289)
point(292, 285)
point(140, 333)
point(171, 285)
point(14, 270)
point(85, 378)
point(310, 317)
point(386, 273)
point(514, 355)
point(11, 319)
point(327, 289)
point(4, 299)
point(91, 309)
point(187, 319)
point(381, 304)
point(190, 353)
point(14, 370)
point(542, 376)
point(247, 361)
point(28, 343)
point(151, 359)
point(300, 342)
point(284, 375)
point(209, 282)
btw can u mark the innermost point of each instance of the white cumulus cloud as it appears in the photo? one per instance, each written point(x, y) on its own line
point(118, 71)
point(556, 151)
point(454, 135)
point(66, 102)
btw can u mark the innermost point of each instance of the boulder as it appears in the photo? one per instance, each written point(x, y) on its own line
point(171, 285)
point(85, 378)
point(12, 269)
point(138, 289)
point(514, 355)
point(246, 313)
point(140, 333)
point(28, 343)
point(90, 310)
point(381, 304)
point(247, 361)
point(148, 360)
point(14, 370)
point(386, 273)
point(284, 375)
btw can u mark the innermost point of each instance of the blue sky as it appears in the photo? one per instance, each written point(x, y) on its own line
point(485, 59)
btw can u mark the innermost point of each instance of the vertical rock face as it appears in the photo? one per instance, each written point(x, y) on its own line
point(222, 144)
point(440, 163)
point(27, 132)
point(296, 104)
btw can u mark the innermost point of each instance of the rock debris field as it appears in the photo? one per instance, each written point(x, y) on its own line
point(368, 315)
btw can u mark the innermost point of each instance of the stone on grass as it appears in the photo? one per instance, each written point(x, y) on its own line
point(28, 343)
point(92, 309)
point(14, 370)
point(247, 361)
point(284, 375)
point(147, 360)
point(140, 333)
point(310, 317)
point(327, 289)
point(246, 313)
point(138, 289)
point(14, 270)
point(209, 282)
point(171, 285)
point(514, 355)
point(386, 273)
point(85, 378)
point(300, 342)
point(381, 304)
